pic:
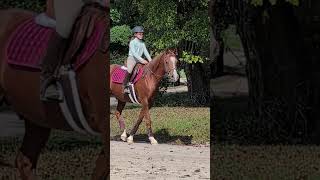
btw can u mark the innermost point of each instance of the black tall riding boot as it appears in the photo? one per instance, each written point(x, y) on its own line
point(49, 91)
point(126, 83)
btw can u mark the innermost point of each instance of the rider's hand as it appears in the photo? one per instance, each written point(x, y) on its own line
point(145, 61)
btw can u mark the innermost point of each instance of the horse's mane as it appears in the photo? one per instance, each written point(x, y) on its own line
point(153, 64)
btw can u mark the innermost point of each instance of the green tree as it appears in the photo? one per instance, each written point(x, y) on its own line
point(182, 24)
point(193, 21)
point(281, 44)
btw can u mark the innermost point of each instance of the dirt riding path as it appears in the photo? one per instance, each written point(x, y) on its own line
point(163, 161)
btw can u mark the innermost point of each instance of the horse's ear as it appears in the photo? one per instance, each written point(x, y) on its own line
point(172, 50)
point(175, 51)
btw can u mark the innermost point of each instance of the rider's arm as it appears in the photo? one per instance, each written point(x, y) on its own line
point(134, 54)
point(146, 53)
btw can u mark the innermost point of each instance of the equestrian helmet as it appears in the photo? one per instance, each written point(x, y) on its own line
point(138, 29)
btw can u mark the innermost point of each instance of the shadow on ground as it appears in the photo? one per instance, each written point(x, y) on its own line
point(163, 136)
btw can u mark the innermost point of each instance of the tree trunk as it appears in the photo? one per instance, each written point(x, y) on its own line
point(198, 81)
point(217, 25)
point(280, 69)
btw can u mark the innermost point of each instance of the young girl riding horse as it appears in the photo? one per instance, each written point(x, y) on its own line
point(136, 48)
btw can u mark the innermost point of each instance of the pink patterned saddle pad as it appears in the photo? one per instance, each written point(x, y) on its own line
point(118, 75)
point(28, 44)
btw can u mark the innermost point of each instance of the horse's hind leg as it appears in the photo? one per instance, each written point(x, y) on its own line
point(120, 119)
point(34, 140)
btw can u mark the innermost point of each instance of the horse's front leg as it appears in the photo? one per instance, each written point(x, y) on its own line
point(152, 140)
point(34, 140)
point(137, 124)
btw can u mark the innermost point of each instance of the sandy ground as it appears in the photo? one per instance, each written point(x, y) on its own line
point(145, 161)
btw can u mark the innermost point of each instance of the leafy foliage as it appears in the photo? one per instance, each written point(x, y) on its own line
point(160, 23)
point(166, 22)
point(115, 15)
point(117, 58)
point(190, 58)
point(120, 34)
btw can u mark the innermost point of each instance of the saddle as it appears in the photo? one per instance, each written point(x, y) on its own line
point(27, 45)
point(119, 74)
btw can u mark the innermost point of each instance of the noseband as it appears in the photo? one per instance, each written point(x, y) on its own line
point(166, 69)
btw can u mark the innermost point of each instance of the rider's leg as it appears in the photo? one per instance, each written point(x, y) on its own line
point(65, 13)
point(130, 65)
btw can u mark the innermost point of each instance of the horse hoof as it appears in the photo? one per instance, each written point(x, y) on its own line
point(130, 140)
point(153, 141)
point(123, 138)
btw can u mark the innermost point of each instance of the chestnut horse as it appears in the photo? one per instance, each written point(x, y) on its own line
point(146, 87)
point(21, 89)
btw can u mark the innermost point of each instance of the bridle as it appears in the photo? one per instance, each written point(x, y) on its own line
point(166, 69)
point(153, 73)
point(171, 70)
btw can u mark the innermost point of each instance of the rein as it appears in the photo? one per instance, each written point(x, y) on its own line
point(158, 77)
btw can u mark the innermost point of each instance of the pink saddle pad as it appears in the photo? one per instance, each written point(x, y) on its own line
point(118, 75)
point(28, 44)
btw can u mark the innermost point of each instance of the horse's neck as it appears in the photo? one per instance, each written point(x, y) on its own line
point(156, 67)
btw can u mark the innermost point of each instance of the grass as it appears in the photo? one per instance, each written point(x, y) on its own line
point(265, 162)
point(177, 125)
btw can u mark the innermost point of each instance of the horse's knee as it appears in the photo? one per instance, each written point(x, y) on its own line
point(148, 124)
point(118, 114)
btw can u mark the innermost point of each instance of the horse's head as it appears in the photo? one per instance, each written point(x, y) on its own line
point(170, 65)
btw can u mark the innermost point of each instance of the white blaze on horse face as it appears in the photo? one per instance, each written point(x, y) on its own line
point(174, 63)
point(175, 76)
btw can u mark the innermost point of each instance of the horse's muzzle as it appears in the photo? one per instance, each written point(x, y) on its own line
point(173, 77)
